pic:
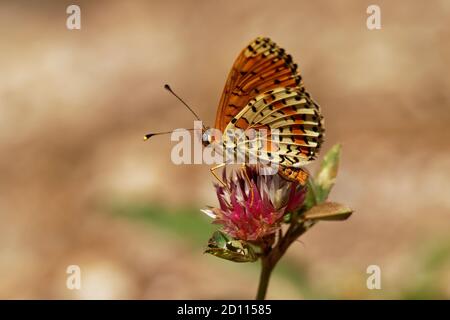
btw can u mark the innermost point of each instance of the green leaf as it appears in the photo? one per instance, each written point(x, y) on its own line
point(326, 176)
point(225, 247)
point(310, 199)
point(330, 211)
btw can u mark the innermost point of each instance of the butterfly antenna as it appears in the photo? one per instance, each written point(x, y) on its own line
point(149, 135)
point(168, 88)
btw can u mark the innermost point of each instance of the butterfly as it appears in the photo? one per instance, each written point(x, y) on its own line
point(264, 90)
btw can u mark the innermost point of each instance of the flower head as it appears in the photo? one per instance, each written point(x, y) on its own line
point(252, 205)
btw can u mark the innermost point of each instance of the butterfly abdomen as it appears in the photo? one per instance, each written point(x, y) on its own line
point(298, 175)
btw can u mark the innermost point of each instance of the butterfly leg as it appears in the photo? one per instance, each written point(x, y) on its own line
point(213, 171)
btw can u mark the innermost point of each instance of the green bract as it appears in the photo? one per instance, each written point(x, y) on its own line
point(319, 187)
point(225, 247)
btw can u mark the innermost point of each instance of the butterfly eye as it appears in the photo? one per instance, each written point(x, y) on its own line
point(206, 137)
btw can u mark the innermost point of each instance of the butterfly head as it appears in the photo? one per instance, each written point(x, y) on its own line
point(208, 136)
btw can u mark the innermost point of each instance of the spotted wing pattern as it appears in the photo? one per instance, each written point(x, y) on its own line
point(260, 67)
point(297, 119)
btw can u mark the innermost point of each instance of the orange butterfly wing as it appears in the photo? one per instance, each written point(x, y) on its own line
point(261, 66)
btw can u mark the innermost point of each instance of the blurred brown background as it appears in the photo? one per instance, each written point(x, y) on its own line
point(78, 185)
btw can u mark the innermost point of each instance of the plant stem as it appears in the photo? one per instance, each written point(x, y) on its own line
point(266, 270)
point(272, 255)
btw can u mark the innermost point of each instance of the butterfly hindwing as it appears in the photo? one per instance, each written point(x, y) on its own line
point(293, 116)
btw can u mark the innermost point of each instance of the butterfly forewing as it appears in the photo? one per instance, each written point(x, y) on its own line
point(260, 67)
